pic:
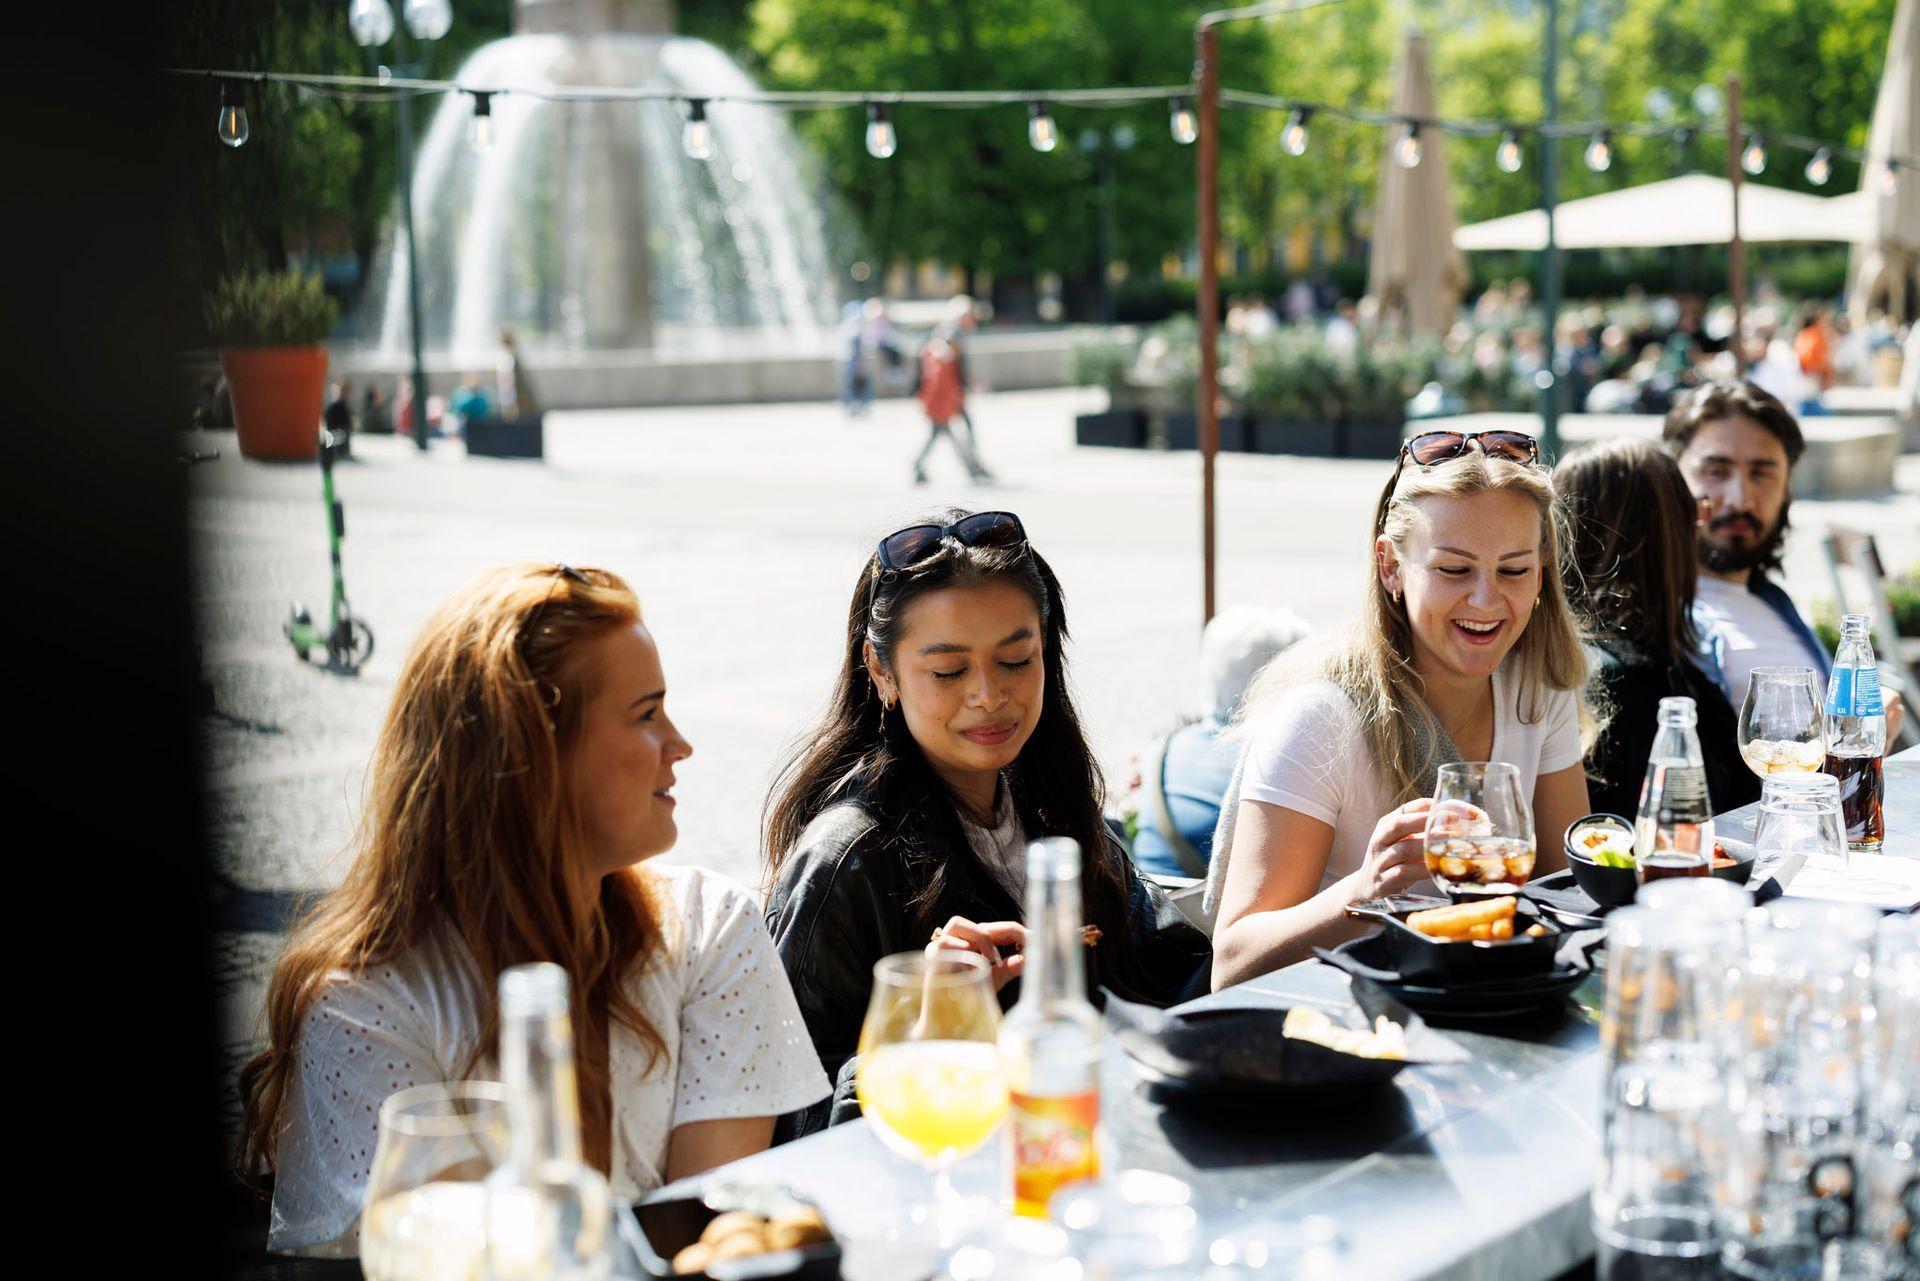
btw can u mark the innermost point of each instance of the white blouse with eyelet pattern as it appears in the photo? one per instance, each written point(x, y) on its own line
point(736, 1046)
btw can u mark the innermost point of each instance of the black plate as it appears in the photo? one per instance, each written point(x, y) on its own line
point(669, 1225)
point(1497, 998)
point(1565, 901)
point(1423, 957)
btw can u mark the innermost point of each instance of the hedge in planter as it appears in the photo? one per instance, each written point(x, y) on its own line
point(269, 327)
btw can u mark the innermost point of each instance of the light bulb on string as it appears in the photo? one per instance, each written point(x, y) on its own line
point(428, 19)
point(1508, 155)
point(1293, 139)
point(1754, 158)
point(697, 138)
point(230, 126)
point(881, 141)
point(482, 122)
point(1890, 177)
point(371, 22)
point(1407, 151)
point(1600, 151)
point(1181, 123)
point(1041, 131)
point(1820, 168)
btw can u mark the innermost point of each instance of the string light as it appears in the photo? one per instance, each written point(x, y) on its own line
point(1754, 158)
point(1600, 151)
point(1293, 138)
point(1181, 122)
point(1040, 127)
point(1508, 155)
point(482, 131)
point(1407, 150)
point(697, 138)
point(1820, 168)
point(230, 126)
point(881, 141)
point(429, 19)
point(371, 22)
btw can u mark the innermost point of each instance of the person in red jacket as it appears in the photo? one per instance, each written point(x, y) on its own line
point(943, 395)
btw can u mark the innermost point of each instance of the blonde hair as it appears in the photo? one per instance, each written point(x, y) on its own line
point(473, 823)
point(1372, 663)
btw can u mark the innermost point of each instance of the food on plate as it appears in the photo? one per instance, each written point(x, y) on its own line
point(1089, 934)
point(1604, 844)
point(1720, 856)
point(1537, 931)
point(1387, 1040)
point(736, 1234)
point(1467, 920)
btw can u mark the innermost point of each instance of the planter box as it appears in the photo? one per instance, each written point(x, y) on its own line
point(1117, 428)
point(1372, 438)
point(506, 438)
point(1313, 439)
point(278, 394)
point(1182, 429)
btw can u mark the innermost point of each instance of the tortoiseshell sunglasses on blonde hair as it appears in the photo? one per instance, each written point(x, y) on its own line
point(1432, 447)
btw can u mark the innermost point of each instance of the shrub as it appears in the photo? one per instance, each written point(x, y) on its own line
point(270, 309)
point(1099, 362)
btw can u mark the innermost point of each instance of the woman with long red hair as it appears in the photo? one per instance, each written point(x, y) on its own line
point(524, 772)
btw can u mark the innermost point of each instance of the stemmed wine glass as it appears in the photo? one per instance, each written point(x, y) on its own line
point(929, 1076)
point(426, 1202)
point(1782, 729)
point(1480, 830)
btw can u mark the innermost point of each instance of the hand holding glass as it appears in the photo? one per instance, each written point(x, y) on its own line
point(1782, 729)
point(1480, 830)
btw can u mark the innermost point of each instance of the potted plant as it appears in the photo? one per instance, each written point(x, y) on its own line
point(270, 326)
point(1104, 362)
point(1288, 377)
point(1373, 398)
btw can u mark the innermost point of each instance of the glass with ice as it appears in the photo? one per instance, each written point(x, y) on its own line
point(1480, 830)
point(1782, 729)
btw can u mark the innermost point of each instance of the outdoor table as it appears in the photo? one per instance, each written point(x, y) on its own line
point(1899, 805)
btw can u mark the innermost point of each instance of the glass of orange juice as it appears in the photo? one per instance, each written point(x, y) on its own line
point(929, 1075)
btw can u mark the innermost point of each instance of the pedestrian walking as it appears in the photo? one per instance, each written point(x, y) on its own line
point(943, 395)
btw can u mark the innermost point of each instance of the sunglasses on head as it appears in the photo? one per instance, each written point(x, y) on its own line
point(909, 546)
point(1431, 447)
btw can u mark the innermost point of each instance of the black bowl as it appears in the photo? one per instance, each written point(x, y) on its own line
point(669, 1225)
point(1607, 886)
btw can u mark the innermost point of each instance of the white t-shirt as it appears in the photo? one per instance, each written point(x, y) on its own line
point(1307, 754)
point(1753, 634)
point(735, 1047)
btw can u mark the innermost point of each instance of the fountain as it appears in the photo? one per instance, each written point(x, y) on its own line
point(587, 229)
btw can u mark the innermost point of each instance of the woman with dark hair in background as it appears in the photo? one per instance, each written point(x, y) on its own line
point(951, 741)
point(1633, 520)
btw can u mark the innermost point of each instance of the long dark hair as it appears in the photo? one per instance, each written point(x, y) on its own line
point(1632, 517)
point(1711, 402)
point(860, 750)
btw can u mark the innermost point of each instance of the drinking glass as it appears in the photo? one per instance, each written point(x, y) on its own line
point(929, 1075)
point(1782, 728)
point(1136, 1223)
point(426, 1202)
point(1480, 830)
point(1800, 837)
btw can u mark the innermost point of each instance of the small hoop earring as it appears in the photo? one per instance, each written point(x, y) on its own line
point(1536, 602)
point(1395, 596)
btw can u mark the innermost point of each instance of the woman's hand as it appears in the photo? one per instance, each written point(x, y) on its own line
point(1397, 853)
point(1001, 942)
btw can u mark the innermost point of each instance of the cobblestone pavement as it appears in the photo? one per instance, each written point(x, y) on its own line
point(743, 529)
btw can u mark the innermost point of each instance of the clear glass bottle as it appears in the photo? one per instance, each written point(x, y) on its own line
point(1857, 734)
point(549, 1214)
point(1051, 1041)
point(1673, 833)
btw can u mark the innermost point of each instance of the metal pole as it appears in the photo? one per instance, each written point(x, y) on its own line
point(1106, 231)
point(403, 119)
point(1550, 257)
point(1207, 408)
point(1736, 251)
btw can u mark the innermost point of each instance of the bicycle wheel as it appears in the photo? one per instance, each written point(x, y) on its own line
point(351, 645)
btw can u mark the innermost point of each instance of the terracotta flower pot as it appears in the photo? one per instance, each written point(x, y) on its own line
point(278, 394)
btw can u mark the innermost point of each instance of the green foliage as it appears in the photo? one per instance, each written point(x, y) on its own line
point(270, 309)
point(1903, 595)
point(1290, 376)
point(1376, 384)
point(1100, 361)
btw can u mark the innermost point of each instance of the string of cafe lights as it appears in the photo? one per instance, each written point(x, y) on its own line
point(1043, 132)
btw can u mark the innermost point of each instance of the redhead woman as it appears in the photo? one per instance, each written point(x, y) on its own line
point(951, 741)
point(1466, 651)
point(524, 775)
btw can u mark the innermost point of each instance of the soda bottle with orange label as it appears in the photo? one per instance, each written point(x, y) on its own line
point(1050, 1042)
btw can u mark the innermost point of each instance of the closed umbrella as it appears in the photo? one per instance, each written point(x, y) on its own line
point(1885, 267)
point(1416, 275)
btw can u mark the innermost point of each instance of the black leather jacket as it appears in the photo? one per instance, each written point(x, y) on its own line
point(843, 901)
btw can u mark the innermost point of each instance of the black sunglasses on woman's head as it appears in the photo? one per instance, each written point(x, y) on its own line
point(915, 543)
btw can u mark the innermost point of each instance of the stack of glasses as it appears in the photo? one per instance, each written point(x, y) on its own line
point(1762, 1113)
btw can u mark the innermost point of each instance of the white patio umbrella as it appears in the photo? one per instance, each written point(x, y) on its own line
point(1885, 266)
point(1696, 209)
point(1416, 274)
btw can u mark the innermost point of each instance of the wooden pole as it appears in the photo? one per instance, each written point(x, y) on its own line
point(1207, 407)
point(1736, 249)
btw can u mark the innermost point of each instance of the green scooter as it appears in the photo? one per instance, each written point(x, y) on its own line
point(347, 642)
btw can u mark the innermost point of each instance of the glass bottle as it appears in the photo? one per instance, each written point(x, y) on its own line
point(1051, 1041)
point(1857, 734)
point(1673, 833)
point(549, 1214)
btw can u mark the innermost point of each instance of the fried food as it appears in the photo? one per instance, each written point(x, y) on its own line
point(732, 1221)
point(694, 1258)
point(802, 1227)
point(1089, 934)
point(1466, 920)
point(736, 1234)
point(1388, 1040)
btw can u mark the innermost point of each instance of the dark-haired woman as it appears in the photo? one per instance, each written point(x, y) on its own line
point(950, 742)
point(1633, 521)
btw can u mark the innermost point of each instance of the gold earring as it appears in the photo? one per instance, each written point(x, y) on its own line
point(1396, 597)
point(1536, 602)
